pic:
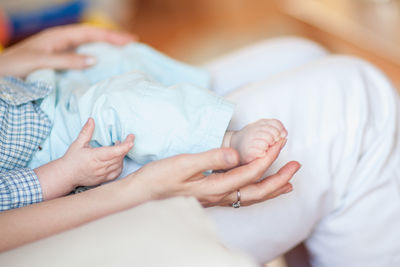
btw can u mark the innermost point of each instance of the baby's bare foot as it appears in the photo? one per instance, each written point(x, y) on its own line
point(254, 139)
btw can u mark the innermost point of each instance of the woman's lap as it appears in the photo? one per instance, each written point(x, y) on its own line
point(341, 115)
point(342, 118)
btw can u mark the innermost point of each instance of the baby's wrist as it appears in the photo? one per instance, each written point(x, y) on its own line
point(68, 173)
point(55, 182)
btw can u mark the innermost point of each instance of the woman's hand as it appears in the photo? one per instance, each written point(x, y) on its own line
point(182, 175)
point(176, 176)
point(53, 48)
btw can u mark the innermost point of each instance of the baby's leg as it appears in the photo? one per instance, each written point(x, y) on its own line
point(253, 140)
point(165, 120)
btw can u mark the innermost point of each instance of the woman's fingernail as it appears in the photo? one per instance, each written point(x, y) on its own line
point(284, 142)
point(90, 61)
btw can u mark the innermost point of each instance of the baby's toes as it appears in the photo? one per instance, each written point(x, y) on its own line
point(279, 126)
point(264, 136)
point(273, 132)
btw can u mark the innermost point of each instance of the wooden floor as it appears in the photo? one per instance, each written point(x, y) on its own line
point(196, 31)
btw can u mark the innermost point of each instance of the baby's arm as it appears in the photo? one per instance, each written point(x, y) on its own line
point(82, 165)
point(254, 139)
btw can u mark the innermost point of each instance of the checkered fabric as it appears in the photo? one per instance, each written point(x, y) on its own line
point(19, 188)
point(23, 127)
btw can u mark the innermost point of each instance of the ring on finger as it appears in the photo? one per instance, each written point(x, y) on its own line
point(237, 203)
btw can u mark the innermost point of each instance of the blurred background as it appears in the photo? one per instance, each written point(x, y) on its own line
point(196, 31)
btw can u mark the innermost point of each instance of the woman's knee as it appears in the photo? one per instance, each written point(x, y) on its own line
point(356, 74)
point(298, 44)
point(355, 66)
point(291, 47)
point(362, 89)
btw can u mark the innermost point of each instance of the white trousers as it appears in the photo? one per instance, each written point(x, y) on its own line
point(342, 116)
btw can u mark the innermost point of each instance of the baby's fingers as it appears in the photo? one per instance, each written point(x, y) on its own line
point(116, 151)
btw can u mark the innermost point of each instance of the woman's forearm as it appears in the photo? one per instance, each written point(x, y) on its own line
point(31, 223)
point(180, 175)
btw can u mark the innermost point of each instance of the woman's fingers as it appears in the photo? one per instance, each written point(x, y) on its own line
point(216, 159)
point(63, 61)
point(268, 188)
point(66, 37)
point(246, 174)
point(52, 49)
point(41, 60)
point(283, 190)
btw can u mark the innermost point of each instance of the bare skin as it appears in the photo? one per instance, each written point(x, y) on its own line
point(255, 139)
point(53, 48)
point(176, 176)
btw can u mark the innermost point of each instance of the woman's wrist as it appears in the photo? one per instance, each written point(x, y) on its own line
point(133, 191)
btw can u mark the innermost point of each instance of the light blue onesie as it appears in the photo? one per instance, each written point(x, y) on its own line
point(133, 89)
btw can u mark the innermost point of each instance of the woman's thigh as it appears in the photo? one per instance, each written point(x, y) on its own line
point(342, 118)
point(261, 60)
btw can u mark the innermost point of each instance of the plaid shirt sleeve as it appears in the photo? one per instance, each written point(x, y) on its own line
point(23, 127)
point(19, 188)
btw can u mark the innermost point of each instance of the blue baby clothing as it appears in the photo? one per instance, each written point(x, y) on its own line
point(133, 89)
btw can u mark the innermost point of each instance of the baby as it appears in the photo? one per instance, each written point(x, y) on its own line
point(137, 90)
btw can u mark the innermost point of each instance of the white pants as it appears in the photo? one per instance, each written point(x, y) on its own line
point(342, 117)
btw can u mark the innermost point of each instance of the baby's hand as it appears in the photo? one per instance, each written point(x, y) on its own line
point(254, 139)
point(92, 166)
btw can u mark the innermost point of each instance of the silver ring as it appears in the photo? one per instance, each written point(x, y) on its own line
point(237, 203)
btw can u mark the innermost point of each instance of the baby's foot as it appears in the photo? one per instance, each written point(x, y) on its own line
point(254, 139)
